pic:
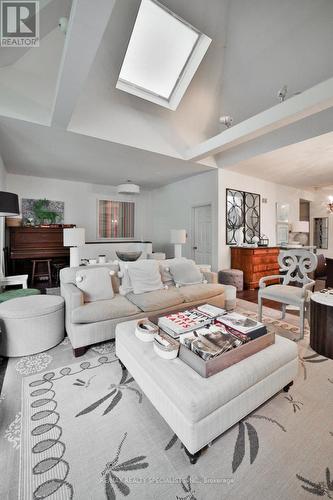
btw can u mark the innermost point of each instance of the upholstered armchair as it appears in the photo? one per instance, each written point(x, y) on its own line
point(296, 264)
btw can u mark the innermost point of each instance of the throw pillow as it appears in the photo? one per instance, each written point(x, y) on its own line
point(96, 284)
point(144, 275)
point(166, 276)
point(185, 272)
point(125, 280)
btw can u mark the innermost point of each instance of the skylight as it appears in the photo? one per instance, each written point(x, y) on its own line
point(162, 56)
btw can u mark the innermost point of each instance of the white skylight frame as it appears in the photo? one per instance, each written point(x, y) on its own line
point(195, 48)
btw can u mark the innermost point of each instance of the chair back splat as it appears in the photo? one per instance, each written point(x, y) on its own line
point(297, 264)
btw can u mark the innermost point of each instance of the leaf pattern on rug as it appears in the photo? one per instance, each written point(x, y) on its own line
point(172, 442)
point(295, 404)
point(109, 474)
point(187, 487)
point(312, 358)
point(116, 393)
point(253, 438)
point(321, 488)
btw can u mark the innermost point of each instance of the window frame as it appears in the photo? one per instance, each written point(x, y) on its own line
point(184, 78)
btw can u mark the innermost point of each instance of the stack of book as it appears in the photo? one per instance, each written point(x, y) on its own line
point(179, 323)
point(225, 334)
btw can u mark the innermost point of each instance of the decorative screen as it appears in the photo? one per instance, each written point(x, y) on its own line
point(115, 219)
point(242, 213)
point(320, 237)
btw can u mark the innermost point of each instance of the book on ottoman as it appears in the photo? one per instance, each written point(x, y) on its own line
point(242, 323)
point(178, 323)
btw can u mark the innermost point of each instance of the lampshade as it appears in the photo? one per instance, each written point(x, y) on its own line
point(74, 237)
point(178, 236)
point(9, 204)
point(301, 226)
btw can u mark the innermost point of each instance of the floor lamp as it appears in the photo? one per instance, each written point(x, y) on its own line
point(9, 206)
point(74, 238)
point(178, 238)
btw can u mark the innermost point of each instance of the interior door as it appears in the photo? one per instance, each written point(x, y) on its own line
point(202, 234)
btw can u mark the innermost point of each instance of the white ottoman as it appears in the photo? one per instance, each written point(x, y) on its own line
point(200, 409)
point(31, 324)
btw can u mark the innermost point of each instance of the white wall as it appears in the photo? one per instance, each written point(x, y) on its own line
point(80, 200)
point(273, 192)
point(3, 175)
point(172, 209)
point(3, 182)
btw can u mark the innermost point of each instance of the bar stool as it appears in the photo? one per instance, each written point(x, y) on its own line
point(41, 268)
point(56, 267)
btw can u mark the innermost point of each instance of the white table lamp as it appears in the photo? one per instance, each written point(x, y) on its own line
point(74, 237)
point(178, 238)
point(301, 228)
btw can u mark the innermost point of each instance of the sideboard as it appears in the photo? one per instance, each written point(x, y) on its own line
point(255, 263)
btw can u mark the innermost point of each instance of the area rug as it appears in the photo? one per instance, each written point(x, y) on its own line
point(83, 429)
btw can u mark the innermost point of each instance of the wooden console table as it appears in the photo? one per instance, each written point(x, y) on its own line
point(321, 324)
point(255, 263)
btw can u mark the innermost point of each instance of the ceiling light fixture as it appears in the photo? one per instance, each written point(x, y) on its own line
point(128, 188)
point(63, 24)
point(282, 93)
point(329, 205)
point(226, 120)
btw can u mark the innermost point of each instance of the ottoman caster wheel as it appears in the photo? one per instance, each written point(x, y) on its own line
point(287, 387)
point(192, 456)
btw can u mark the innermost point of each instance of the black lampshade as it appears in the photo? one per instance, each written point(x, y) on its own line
point(9, 204)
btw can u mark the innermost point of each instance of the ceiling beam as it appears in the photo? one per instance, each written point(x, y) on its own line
point(309, 102)
point(86, 27)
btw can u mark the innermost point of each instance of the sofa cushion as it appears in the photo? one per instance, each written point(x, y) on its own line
point(203, 291)
point(102, 310)
point(145, 276)
point(185, 272)
point(159, 299)
point(95, 284)
point(125, 280)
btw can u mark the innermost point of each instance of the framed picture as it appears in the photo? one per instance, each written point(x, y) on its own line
point(115, 219)
point(282, 233)
point(282, 212)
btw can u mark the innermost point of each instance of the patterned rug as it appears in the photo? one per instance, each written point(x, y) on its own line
point(82, 429)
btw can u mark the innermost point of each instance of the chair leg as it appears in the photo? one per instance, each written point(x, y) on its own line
point(49, 272)
point(259, 308)
point(33, 273)
point(301, 321)
point(283, 310)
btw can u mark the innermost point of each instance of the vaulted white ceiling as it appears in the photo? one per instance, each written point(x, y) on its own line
point(66, 89)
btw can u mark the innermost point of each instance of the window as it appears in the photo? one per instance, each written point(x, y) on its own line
point(320, 228)
point(115, 219)
point(162, 56)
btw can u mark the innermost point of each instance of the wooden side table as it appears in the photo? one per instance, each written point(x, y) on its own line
point(321, 324)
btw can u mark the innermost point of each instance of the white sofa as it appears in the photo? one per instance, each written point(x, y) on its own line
point(90, 323)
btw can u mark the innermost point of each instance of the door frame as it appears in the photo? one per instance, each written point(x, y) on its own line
point(192, 238)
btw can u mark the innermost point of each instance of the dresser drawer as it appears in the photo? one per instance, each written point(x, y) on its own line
point(268, 268)
point(265, 251)
point(264, 259)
